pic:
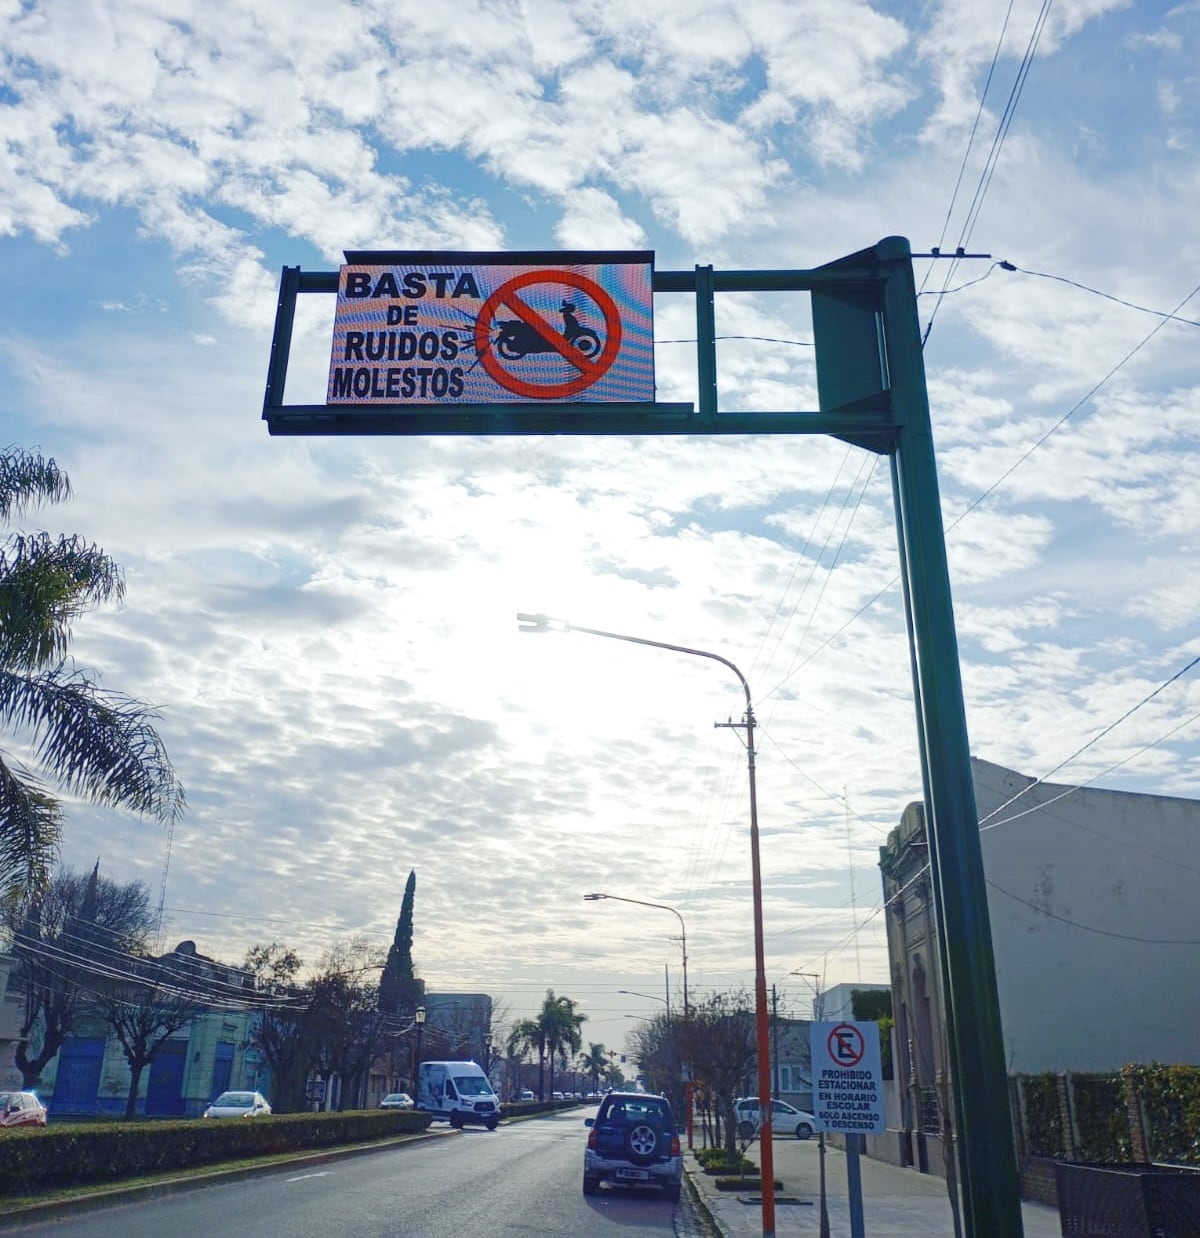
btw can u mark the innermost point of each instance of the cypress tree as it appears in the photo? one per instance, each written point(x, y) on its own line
point(400, 992)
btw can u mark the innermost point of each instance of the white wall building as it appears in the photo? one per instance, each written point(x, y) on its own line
point(1092, 897)
point(1094, 900)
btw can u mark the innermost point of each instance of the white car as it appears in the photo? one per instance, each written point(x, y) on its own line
point(238, 1105)
point(396, 1100)
point(785, 1119)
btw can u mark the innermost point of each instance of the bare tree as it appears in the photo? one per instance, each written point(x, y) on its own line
point(66, 942)
point(145, 1008)
point(345, 1027)
point(280, 1028)
point(718, 1043)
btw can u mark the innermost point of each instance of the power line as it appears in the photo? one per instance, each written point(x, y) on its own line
point(1096, 738)
point(998, 139)
point(962, 167)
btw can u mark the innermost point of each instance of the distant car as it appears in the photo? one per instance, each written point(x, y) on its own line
point(632, 1141)
point(21, 1109)
point(785, 1119)
point(526, 1094)
point(396, 1100)
point(556, 1096)
point(238, 1105)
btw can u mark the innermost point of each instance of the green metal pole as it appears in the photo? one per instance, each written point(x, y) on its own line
point(706, 345)
point(987, 1156)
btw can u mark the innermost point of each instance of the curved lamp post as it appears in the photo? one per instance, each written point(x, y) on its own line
point(666, 1001)
point(542, 623)
point(620, 898)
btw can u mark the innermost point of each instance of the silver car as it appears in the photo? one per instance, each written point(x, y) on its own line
point(396, 1100)
point(632, 1141)
point(238, 1105)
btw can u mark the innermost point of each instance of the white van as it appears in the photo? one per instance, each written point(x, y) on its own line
point(458, 1092)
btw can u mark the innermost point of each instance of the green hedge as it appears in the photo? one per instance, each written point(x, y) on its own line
point(70, 1155)
point(716, 1161)
point(1101, 1119)
point(1167, 1096)
point(1170, 1099)
point(1043, 1121)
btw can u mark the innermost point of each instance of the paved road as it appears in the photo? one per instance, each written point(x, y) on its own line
point(524, 1179)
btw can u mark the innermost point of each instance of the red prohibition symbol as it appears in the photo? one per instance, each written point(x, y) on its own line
point(846, 1045)
point(532, 333)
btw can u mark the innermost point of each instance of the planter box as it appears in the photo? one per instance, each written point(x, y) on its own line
point(1128, 1201)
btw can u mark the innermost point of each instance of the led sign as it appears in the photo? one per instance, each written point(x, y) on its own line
point(469, 328)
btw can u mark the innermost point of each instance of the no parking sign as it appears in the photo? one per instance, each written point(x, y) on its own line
point(847, 1077)
point(472, 328)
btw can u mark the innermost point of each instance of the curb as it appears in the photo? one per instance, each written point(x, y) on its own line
point(105, 1196)
point(700, 1197)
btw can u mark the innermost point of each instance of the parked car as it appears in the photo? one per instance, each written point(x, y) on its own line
point(238, 1105)
point(632, 1141)
point(21, 1109)
point(556, 1096)
point(396, 1100)
point(527, 1094)
point(785, 1119)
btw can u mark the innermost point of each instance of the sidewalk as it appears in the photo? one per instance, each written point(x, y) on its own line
point(897, 1203)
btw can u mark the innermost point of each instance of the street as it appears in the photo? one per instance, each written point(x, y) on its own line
point(522, 1179)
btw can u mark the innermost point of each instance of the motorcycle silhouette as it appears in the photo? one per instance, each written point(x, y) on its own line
point(516, 339)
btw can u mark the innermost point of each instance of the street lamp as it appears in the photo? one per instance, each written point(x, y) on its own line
point(648, 996)
point(591, 898)
point(542, 623)
point(818, 1000)
point(420, 1017)
point(666, 1001)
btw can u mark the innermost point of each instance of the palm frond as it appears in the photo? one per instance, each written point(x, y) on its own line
point(30, 832)
point(26, 478)
point(96, 743)
point(45, 583)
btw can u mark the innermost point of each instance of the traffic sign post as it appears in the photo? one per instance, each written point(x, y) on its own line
point(871, 393)
point(847, 1077)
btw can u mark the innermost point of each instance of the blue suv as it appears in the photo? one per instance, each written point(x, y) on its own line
point(633, 1142)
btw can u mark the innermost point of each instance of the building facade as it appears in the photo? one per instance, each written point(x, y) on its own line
point(1091, 897)
point(207, 1055)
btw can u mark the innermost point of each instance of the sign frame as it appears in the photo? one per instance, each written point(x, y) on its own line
point(867, 421)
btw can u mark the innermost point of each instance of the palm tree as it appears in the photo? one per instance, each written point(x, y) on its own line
point(89, 741)
point(560, 1027)
point(594, 1063)
point(527, 1035)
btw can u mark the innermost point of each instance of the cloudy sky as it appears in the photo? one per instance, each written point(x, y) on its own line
point(328, 625)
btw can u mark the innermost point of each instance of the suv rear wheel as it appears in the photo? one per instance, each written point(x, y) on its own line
point(642, 1142)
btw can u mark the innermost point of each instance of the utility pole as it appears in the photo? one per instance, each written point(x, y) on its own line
point(775, 1042)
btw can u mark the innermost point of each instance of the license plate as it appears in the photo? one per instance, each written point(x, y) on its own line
point(633, 1175)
